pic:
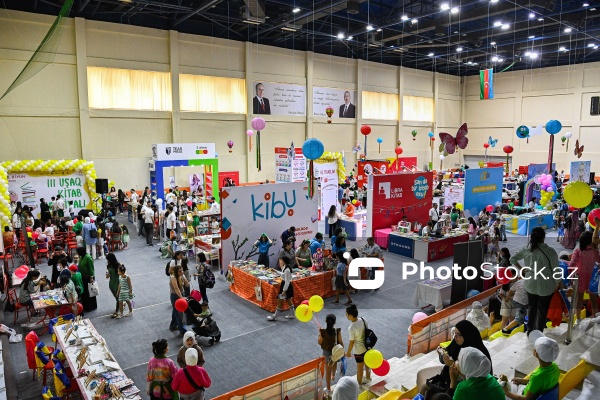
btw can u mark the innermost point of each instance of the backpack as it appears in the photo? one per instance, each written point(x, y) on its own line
point(370, 336)
point(167, 268)
point(208, 278)
point(93, 233)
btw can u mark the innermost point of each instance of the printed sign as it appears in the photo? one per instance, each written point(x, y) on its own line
point(290, 165)
point(183, 151)
point(248, 211)
point(342, 101)
point(580, 171)
point(270, 98)
point(453, 194)
point(382, 167)
point(29, 189)
point(483, 187)
point(326, 173)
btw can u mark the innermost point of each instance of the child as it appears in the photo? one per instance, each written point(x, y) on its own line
point(561, 228)
point(124, 236)
point(125, 292)
point(100, 243)
point(186, 272)
point(555, 213)
point(519, 303)
point(205, 311)
point(494, 241)
point(341, 278)
point(286, 291)
point(71, 210)
point(504, 258)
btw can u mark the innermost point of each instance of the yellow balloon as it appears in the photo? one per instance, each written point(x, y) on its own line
point(578, 194)
point(316, 303)
point(460, 206)
point(303, 313)
point(373, 358)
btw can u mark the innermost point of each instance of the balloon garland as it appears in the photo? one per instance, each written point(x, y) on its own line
point(337, 157)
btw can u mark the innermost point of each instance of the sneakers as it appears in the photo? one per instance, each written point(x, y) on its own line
point(129, 314)
point(114, 315)
point(272, 318)
point(119, 316)
point(290, 316)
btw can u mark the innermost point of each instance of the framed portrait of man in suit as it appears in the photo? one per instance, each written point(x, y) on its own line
point(347, 110)
point(260, 104)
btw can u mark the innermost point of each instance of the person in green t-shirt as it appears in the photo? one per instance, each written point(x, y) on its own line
point(543, 378)
point(511, 204)
point(78, 227)
point(476, 368)
point(454, 218)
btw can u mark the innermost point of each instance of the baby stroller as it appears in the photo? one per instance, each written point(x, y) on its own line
point(202, 326)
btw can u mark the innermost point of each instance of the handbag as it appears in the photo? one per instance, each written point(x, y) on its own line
point(93, 289)
point(337, 351)
point(370, 336)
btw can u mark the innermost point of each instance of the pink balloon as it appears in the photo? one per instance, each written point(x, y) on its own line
point(258, 124)
point(250, 132)
point(490, 208)
point(383, 369)
point(418, 316)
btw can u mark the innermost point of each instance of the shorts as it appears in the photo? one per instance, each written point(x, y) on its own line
point(360, 358)
point(289, 293)
point(507, 309)
point(327, 354)
point(520, 311)
point(340, 283)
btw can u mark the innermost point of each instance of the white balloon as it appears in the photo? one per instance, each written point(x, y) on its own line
point(442, 157)
point(568, 135)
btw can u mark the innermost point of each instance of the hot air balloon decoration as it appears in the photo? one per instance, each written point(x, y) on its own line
point(329, 112)
point(230, 145)
point(414, 134)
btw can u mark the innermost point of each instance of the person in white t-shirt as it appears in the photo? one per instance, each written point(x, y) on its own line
point(433, 213)
point(171, 221)
point(170, 197)
point(356, 333)
point(133, 202)
point(60, 206)
point(148, 213)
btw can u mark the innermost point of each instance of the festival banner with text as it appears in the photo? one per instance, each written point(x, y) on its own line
point(483, 187)
point(326, 173)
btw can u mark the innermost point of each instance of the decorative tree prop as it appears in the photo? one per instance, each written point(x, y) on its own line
point(552, 127)
point(379, 140)
point(230, 145)
point(312, 149)
point(365, 130)
point(563, 139)
point(249, 133)
point(258, 124)
point(414, 134)
point(507, 149)
point(329, 112)
point(568, 135)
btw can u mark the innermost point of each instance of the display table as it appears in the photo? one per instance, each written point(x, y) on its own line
point(247, 275)
point(434, 292)
point(354, 227)
point(425, 249)
point(49, 302)
point(99, 359)
point(381, 237)
point(523, 224)
point(210, 245)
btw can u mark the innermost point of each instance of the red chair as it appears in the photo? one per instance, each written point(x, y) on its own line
point(31, 340)
point(9, 254)
point(115, 242)
point(42, 250)
point(12, 297)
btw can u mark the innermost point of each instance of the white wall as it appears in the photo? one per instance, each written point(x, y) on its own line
point(48, 116)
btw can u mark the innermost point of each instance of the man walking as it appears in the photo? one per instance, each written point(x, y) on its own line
point(148, 224)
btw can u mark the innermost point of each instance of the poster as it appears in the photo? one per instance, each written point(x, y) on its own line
point(453, 194)
point(270, 98)
point(483, 186)
point(389, 165)
point(290, 165)
point(196, 182)
point(534, 170)
point(183, 151)
point(29, 189)
point(392, 196)
point(580, 171)
point(248, 211)
point(342, 101)
point(326, 173)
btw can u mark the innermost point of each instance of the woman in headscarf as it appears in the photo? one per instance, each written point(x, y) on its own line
point(45, 210)
point(478, 382)
point(465, 335)
point(112, 274)
point(478, 317)
point(346, 389)
point(572, 230)
point(86, 268)
point(189, 342)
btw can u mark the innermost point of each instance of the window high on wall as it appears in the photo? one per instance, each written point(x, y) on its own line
point(126, 89)
point(377, 105)
point(417, 108)
point(212, 94)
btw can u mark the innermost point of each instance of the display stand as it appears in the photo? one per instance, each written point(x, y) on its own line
point(354, 227)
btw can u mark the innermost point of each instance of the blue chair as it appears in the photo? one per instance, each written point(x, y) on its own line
point(551, 394)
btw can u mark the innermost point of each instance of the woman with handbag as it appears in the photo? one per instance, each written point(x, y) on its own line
point(200, 269)
point(86, 268)
point(161, 371)
point(330, 339)
point(583, 261)
point(191, 381)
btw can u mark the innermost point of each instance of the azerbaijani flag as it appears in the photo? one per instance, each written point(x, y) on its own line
point(486, 82)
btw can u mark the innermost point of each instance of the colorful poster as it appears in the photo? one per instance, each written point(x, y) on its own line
point(400, 164)
point(391, 197)
point(326, 173)
point(196, 182)
point(271, 98)
point(389, 165)
point(453, 194)
point(290, 165)
point(580, 171)
point(342, 101)
point(483, 186)
point(248, 211)
point(29, 189)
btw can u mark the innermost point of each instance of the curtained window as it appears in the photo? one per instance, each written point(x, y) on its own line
point(416, 108)
point(377, 105)
point(126, 89)
point(212, 94)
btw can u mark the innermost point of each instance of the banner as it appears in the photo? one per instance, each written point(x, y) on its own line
point(393, 196)
point(183, 151)
point(272, 98)
point(326, 173)
point(453, 194)
point(196, 181)
point(389, 165)
point(534, 170)
point(341, 100)
point(248, 211)
point(290, 166)
point(580, 171)
point(399, 164)
point(483, 186)
point(30, 188)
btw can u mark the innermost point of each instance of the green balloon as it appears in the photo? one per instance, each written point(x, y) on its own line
point(523, 132)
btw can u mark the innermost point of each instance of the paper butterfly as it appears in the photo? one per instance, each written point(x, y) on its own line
point(357, 148)
point(492, 141)
point(450, 142)
point(578, 149)
point(536, 130)
point(291, 152)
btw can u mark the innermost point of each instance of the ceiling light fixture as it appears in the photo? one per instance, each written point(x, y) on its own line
point(430, 54)
point(562, 48)
point(595, 47)
point(414, 21)
point(532, 37)
point(251, 22)
point(527, 53)
point(493, 1)
point(369, 28)
point(533, 56)
point(498, 23)
point(296, 10)
point(493, 43)
point(378, 30)
point(591, 45)
point(540, 19)
point(495, 58)
point(288, 29)
point(454, 10)
point(568, 30)
point(531, 15)
point(341, 36)
point(586, 4)
point(505, 26)
point(404, 18)
point(350, 37)
point(459, 49)
point(500, 59)
point(445, 6)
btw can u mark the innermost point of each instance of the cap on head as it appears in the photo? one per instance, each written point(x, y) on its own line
point(73, 268)
point(547, 349)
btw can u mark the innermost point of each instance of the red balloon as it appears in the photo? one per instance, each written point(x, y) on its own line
point(181, 305)
point(489, 208)
point(75, 221)
point(383, 369)
point(305, 302)
point(595, 213)
point(35, 235)
point(28, 229)
point(365, 129)
point(398, 150)
point(486, 145)
point(508, 149)
point(433, 139)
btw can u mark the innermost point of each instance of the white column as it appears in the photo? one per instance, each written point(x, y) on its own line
point(174, 68)
point(82, 92)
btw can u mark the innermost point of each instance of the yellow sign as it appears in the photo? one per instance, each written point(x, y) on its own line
point(484, 189)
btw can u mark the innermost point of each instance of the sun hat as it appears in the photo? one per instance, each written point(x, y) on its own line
point(547, 349)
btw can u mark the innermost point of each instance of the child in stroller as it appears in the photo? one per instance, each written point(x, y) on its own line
point(200, 317)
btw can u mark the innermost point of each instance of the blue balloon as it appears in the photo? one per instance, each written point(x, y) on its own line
point(472, 292)
point(430, 134)
point(553, 127)
point(379, 140)
point(313, 149)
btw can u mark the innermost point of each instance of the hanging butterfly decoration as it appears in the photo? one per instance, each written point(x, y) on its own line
point(291, 152)
point(357, 147)
point(450, 142)
point(578, 149)
point(492, 142)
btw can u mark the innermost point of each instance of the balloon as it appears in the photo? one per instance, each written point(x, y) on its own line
point(365, 129)
point(379, 140)
point(383, 369)
point(523, 132)
point(481, 164)
point(181, 305)
point(316, 303)
point(398, 150)
point(442, 157)
point(595, 213)
point(303, 313)
point(486, 145)
point(460, 206)
point(250, 132)
point(313, 149)
point(553, 126)
point(568, 135)
point(578, 194)
point(305, 302)
point(489, 208)
point(418, 316)
point(430, 134)
point(258, 124)
point(354, 202)
point(373, 358)
point(472, 292)
point(508, 149)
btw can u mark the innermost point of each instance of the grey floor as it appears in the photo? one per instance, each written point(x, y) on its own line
point(251, 347)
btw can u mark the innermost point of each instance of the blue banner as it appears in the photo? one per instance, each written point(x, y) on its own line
point(538, 169)
point(483, 187)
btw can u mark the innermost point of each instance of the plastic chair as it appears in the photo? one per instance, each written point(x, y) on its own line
point(9, 254)
point(573, 377)
point(31, 341)
point(13, 299)
point(115, 242)
point(551, 394)
point(42, 250)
